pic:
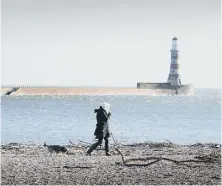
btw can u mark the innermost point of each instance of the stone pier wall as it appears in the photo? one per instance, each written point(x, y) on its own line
point(90, 91)
point(168, 88)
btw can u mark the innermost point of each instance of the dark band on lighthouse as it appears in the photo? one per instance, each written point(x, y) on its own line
point(174, 76)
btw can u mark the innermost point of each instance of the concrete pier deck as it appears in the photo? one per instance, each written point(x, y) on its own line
point(84, 91)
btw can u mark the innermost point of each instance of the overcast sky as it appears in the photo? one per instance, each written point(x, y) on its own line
point(109, 42)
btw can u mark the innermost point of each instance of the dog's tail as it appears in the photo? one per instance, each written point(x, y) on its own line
point(45, 144)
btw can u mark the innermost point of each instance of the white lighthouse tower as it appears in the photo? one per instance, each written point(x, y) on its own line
point(174, 76)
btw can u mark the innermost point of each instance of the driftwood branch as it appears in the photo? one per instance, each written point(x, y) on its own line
point(123, 157)
point(76, 167)
point(156, 159)
point(79, 141)
point(73, 145)
point(168, 141)
point(84, 142)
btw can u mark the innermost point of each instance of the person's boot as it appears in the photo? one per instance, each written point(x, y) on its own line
point(108, 154)
point(88, 153)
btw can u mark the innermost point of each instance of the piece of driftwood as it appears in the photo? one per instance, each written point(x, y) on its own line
point(76, 167)
point(215, 156)
point(89, 144)
point(168, 141)
point(155, 160)
point(84, 142)
point(160, 145)
point(73, 145)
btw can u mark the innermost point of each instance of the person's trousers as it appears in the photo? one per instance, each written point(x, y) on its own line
point(99, 142)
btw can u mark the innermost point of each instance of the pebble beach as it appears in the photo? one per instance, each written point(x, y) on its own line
point(33, 164)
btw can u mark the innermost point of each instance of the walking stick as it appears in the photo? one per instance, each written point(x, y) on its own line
point(115, 142)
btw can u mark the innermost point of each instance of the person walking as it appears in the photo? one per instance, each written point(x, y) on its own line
point(102, 128)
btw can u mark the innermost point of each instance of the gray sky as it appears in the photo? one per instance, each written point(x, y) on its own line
point(109, 42)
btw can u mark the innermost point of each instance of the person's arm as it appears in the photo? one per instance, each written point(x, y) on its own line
point(109, 115)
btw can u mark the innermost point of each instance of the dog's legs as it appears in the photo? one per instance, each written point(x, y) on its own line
point(51, 153)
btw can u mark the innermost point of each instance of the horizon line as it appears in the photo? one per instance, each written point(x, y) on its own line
point(84, 86)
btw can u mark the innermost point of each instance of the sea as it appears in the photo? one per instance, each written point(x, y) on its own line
point(135, 119)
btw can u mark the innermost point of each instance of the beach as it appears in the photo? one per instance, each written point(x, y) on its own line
point(33, 164)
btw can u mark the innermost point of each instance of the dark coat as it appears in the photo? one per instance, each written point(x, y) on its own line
point(102, 126)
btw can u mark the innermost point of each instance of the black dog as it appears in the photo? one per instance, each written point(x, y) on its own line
point(56, 148)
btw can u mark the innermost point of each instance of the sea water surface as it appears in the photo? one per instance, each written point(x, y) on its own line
point(56, 119)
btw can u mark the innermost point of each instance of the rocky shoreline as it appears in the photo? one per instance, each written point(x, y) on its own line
point(140, 164)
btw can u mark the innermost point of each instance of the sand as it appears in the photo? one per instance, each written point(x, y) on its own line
point(34, 164)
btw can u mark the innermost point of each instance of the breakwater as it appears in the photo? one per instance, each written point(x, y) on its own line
point(168, 88)
point(16, 91)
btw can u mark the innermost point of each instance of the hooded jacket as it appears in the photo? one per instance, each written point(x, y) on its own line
point(102, 115)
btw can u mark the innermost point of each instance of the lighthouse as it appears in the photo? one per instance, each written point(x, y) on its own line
point(174, 76)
